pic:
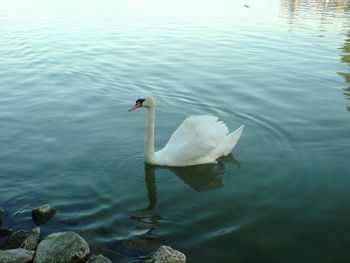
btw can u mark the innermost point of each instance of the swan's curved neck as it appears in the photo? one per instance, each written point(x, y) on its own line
point(149, 140)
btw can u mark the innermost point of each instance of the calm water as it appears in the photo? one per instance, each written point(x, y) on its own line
point(70, 70)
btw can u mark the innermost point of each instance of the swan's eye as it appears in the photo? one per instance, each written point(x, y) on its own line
point(140, 101)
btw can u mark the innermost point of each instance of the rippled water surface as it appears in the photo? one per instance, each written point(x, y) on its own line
point(70, 70)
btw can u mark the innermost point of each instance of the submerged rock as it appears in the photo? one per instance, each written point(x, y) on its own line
point(32, 240)
point(136, 246)
point(1, 215)
point(62, 247)
point(15, 239)
point(167, 254)
point(18, 255)
point(42, 214)
point(98, 259)
point(4, 232)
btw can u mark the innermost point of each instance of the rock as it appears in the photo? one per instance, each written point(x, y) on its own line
point(62, 247)
point(1, 215)
point(18, 255)
point(166, 254)
point(98, 259)
point(32, 240)
point(42, 214)
point(15, 239)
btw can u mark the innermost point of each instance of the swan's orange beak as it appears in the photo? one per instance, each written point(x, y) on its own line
point(137, 105)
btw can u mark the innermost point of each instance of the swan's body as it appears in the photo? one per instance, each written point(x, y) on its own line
point(198, 140)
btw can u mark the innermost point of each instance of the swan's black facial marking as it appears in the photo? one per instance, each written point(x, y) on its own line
point(140, 101)
point(138, 104)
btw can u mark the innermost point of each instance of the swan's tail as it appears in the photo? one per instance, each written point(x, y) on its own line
point(232, 139)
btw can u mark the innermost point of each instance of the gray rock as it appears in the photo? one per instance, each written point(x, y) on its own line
point(15, 239)
point(166, 254)
point(18, 255)
point(1, 215)
point(62, 247)
point(32, 240)
point(98, 259)
point(43, 213)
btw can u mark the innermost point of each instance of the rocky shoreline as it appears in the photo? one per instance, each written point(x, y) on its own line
point(24, 246)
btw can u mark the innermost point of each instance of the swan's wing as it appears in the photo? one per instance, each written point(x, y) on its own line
point(207, 137)
point(194, 141)
point(188, 127)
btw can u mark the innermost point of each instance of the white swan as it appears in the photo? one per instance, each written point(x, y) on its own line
point(198, 140)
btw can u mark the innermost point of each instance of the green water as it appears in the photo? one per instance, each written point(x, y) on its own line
point(70, 70)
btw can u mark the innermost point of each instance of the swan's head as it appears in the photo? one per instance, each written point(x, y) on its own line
point(147, 102)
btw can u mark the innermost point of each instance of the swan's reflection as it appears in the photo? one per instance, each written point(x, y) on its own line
point(205, 177)
point(201, 178)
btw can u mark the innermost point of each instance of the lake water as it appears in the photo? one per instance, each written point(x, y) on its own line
point(70, 70)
